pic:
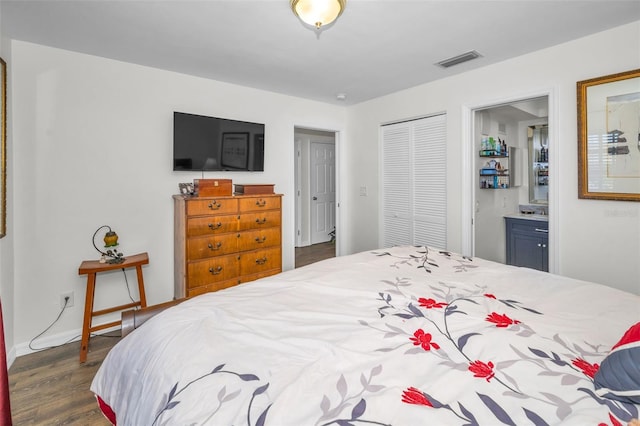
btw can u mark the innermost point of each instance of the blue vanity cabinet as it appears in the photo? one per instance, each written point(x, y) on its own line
point(527, 241)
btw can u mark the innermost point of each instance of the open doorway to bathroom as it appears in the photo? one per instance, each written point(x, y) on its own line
point(315, 203)
point(511, 178)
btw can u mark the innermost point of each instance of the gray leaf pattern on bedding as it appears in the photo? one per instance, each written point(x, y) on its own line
point(223, 397)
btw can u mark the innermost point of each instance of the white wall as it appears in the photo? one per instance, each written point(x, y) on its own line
point(596, 240)
point(94, 147)
point(6, 243)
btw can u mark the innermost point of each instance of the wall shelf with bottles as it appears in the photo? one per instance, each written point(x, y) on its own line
point(499, 179)
point(494, 175)
point(493, 154)
point(494, 148)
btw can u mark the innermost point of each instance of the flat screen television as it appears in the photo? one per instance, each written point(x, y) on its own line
point(202, 143)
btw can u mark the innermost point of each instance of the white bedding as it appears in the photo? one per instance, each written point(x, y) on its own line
point(387, 337)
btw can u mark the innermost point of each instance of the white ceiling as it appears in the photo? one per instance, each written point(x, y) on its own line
point(375, 47)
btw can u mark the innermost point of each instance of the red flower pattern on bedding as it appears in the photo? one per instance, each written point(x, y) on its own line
point(415, 396)
point(482, 370)
point(430, 303)
point(487, 369)
point(501, 320)
point(586, 368)
point(424, 339)
point(614, 422)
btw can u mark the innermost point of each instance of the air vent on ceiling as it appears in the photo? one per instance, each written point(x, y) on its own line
point(467, 56)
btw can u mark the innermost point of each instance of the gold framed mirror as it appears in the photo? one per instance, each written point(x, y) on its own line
point(3, 148)
point(609, 137)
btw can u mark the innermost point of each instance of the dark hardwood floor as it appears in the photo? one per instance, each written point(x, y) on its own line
point(52, 388)
point(314, 253)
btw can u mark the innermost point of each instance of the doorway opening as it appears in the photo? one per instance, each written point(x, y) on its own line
point(315, 201)
point(507, 163)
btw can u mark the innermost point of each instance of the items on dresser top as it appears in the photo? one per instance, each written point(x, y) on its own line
point(252, 189)
point(211, 187)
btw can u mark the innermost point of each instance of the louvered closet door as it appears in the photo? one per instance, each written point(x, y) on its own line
point(414, 176)
point(396, 179)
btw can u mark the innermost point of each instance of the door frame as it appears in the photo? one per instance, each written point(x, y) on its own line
point(468, 170)
point(301, 166)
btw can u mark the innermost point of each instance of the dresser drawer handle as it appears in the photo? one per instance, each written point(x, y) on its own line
point(261, 261)
point(214, 205)
point(261, 203)
point(216, 226)
point(261, 221)
point(261, 240)
point(542, 230)
point(216, 247)
point(215, 271)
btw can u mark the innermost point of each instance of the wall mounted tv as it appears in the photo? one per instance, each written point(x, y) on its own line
point(202, 143)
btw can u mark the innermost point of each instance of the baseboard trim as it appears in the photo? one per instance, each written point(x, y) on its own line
point(50, 342)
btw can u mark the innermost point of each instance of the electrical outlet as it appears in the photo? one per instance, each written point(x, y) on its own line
point(62, 301)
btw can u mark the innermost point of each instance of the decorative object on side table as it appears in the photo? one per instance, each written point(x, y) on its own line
point(112, 255)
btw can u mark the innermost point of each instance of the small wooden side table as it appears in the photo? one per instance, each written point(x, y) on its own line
point(91, 268)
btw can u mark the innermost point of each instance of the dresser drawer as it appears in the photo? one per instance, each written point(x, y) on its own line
point(253, 240)
point(191, 292)
point(253, 277)
point(212, 270)
point(211, 225)
point(211, 206)
point(248, 204)
point(260, 260)
point(209, 246)
point(262, 220)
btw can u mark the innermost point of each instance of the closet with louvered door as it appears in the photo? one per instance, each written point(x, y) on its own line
point(414, 185)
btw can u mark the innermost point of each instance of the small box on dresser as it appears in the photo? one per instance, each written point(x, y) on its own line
point(212, 187)
point(224, 241)
point(248, 189)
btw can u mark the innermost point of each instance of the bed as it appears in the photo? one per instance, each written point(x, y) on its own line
point(401, 336)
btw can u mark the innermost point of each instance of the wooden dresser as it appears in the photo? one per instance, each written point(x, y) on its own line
point(224, 241)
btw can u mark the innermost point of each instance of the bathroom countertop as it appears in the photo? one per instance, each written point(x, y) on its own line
point(540, 217)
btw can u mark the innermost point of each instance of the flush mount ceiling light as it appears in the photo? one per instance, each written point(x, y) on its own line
point(318, 13)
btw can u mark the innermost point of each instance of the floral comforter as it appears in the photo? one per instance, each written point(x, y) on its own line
point(404, 336)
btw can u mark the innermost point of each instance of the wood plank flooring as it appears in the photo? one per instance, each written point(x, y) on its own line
point(314, 253)
point(52, 388)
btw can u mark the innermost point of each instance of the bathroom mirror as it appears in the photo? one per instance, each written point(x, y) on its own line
point(538, 137)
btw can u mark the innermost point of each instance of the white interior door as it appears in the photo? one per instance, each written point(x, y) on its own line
point(323, 191)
